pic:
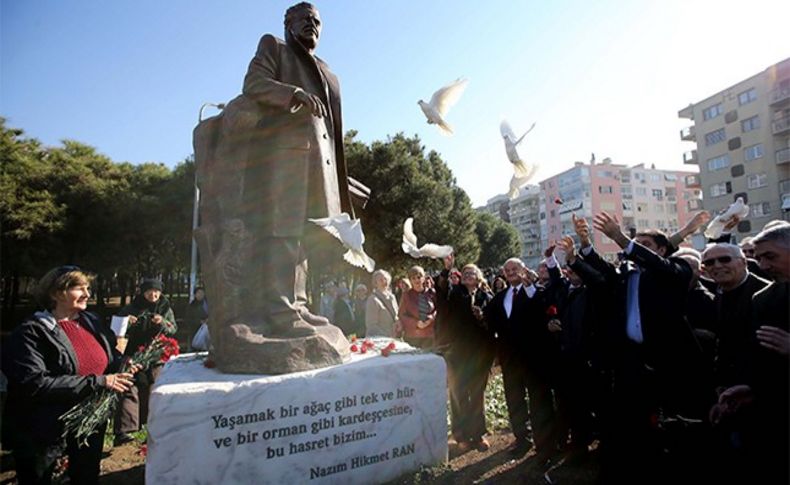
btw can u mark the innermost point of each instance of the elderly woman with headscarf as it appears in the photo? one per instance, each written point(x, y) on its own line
point(381, 309)
point(470, 352)
point(149, 314)
point(53, 361)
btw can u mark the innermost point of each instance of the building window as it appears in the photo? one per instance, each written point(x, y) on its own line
point(642, 223)
point(639, 176)
point(654, 177)
point(757, 180)
point(723, 188)
point(753, 152)
point(719, 162)
point(712, 112)
point(628, 205)
point(750, 124)
point(672, 208)
point(747, 96)
point(641, 207)
point(553, 213)
point(784, 186)
point(641, 191)
point(658, 208)
point(761, 209)
point(661, 224)
point(625, 190)
point(670, 177)
point(604, 189)
point(658, 194)
point(714, 137)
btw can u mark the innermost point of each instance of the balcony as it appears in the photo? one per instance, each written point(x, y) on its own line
point(782, 125)
point(688, 134)
point(783, 155)
point(690, 158)
point(693, 182)
point(779, 95)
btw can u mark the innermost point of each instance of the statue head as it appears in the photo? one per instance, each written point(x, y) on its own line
point(303, 24)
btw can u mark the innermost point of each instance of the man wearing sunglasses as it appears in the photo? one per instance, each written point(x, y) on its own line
point(726, 265)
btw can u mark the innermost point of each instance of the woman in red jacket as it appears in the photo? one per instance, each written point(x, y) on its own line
point(417, 312)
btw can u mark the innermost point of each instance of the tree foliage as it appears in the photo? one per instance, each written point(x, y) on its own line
point(407, 182)
point(498, 240)
point(71, 204)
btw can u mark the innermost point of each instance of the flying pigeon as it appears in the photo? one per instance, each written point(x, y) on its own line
point(716, 226)
point(522, 172)
point(441, 102)
point(349, 232)
point(427, 250)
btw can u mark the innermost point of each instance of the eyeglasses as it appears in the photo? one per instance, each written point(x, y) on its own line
point(720, 259)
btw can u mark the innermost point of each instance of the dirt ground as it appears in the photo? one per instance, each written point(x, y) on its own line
point(125, 465)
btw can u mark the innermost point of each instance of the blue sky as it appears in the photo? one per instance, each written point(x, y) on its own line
point(609, 77)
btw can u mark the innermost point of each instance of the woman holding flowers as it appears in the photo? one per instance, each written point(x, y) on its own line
point(149, 315)
point(53, 361)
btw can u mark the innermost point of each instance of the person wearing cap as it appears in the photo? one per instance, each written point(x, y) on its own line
point(155, 307)
point(56, 359)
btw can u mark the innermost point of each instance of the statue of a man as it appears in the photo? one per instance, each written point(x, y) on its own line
point(270, 161)
point(298, 169)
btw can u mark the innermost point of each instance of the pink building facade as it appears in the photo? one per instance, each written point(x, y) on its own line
point(641, 198)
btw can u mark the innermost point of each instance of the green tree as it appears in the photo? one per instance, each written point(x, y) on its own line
point(498, 240)
point(405, 182)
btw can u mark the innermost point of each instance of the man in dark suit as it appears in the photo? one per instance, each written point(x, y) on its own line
point(658, 363)
point(518, 316)
point(297, 168)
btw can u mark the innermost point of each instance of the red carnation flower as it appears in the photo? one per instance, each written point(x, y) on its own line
point(385, 352)
point(354, 348)
point(391, 346)
point(364, 350)
point(143, 451)
point(558, 201)
point(552, 311)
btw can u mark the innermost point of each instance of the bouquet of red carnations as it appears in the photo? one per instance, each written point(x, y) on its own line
point(82, 420)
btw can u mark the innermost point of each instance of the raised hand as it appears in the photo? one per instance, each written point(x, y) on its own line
point(449, 261)
point(582, 229)
point(609, 225)
point(567, 245)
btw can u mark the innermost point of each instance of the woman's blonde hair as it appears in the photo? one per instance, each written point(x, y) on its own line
point(478, 272)
point(415, 271)
point(57, 281)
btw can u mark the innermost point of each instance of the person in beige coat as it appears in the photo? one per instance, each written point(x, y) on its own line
point(381, 309)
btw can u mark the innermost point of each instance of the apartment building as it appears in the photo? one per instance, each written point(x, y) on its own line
point(641, 198)
point(741, 138)
point(524, 213)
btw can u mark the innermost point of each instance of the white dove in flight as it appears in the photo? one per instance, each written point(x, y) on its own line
point(441, 102)
point(427, 250)
point(349, 232)
point(522, 172)
point(716, 226)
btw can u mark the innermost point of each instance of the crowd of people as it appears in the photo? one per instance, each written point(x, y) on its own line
point(672, 360)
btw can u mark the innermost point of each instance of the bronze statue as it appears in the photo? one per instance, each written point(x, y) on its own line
point(270, 161)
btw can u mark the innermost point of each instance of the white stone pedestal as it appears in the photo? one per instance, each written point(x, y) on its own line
point(367, 421)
